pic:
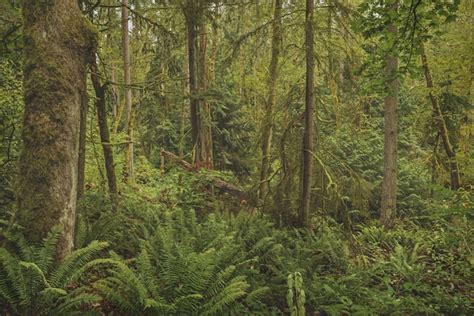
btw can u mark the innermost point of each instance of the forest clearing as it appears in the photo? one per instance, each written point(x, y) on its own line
point(236, 157)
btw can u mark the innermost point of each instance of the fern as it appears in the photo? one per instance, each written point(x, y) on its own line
point(32, 284)
point(72, 267)
point(178, 273)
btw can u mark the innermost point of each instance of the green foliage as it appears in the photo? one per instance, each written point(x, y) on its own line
point(176, 272)
point(34, 283)
point(180, 247)
point(296, 296)
point(11, 110)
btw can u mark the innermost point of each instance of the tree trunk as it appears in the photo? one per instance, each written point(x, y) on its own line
point(267, 127)
point(441, 123)
point(182, 127)
point(116, 98)
point(205, 128)
point(128, 92)
point(57, 42)
point(389, 185)
point(104, 133)
point(81, 168)
point(190, 15)
point(307, 167)
point(434, 164)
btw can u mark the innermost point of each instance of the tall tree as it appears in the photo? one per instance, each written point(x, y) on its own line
point(389, 184)
point(201, 130)
point(57, 42)
point(205, 129)
point(441, 123)
point(267, 126)
point(128, 91)
point(307, 166)
point(190, 14)
point(100, 90)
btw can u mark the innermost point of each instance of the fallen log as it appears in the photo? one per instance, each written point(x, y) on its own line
point(217, 182)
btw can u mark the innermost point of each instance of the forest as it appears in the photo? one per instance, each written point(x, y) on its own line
point(236, 157)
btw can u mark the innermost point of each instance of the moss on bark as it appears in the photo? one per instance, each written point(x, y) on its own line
point(58, 43)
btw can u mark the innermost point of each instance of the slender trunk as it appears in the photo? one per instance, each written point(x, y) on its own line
point(389, 185)
point(112, 16)
point(307, 167)
point(215, 45)
point(205, 128)
point(267, 127)
point(182, 129)
point(441, 123)
point(434, 163)
point(128, 92)
point(116, 101)
point(104, 133)
point(190, 15)
point(57, 44)
point(82, 142)
point(331, 76)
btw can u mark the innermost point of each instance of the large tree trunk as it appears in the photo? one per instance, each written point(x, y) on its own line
point(128, 92)
point(307, 167)
point(267, 126)
point(439, 119)
point(104, 133)
point(57, 43)
point(389, 185)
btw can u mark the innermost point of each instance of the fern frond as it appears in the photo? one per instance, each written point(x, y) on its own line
point(73, 302)
point(14, 285)
point(254, 297)
point(220, 281)
point(226, 298)
point(38, 275)
point(147, 273)
point(66, 272)
point(47, 253)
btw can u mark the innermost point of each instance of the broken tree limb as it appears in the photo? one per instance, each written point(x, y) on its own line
point(218, 183)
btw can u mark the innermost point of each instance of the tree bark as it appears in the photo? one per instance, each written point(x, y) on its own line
point(57, 43)
point(389, 184)
point(82, 143)
point(267, 127)
point(128, 92)
point(183, 117)
point(307, 166)
point(441, 123)
point(104, 133)
point(205, 127)
point(191, 25)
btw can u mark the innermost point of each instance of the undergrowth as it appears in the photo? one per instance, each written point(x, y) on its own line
point(159, 256)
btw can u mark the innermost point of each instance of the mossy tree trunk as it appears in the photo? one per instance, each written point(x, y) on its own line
point(57, 42)
point(81, 169)
point(100, 102)
point(267, 126)
point(441, 124)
